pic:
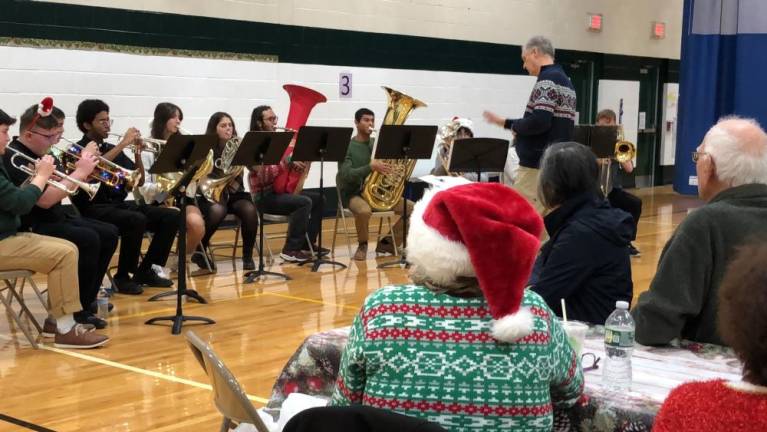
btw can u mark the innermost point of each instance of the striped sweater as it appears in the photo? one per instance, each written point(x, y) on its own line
point(432, 356)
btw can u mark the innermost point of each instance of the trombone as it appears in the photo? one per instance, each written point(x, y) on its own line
point(90, 189)
point(151, 145)
point(106, 171)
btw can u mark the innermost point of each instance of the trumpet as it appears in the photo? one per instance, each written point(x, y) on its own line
point(106, 171)
point(90, 189)
point(151, 145)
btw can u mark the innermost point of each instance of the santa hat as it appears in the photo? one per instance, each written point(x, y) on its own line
point(482, 230)
point(44, 109)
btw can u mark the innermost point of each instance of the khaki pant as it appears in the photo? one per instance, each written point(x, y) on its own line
point(526, 183)
point(362, 212)
point(48, 255)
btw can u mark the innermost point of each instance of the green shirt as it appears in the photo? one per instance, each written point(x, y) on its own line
point(354, 169)
point(14, 203)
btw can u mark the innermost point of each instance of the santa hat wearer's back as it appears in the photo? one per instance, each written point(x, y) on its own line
point(482, 230)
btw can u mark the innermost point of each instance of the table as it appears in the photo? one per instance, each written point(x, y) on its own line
point(656, 370)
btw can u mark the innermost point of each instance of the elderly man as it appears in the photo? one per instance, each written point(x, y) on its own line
point(732, 178)
point(549, 116)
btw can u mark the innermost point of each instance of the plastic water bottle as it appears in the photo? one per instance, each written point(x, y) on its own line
point(619, 343)
point(102, 302)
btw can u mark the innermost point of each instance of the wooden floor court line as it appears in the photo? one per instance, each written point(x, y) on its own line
point(129, 368)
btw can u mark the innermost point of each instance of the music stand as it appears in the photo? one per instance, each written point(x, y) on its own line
point(182, 153)
point(478, 155)
point(404, 142)
point(317, 143)
point(259, 148)
point(582, 134)
point(602, 140)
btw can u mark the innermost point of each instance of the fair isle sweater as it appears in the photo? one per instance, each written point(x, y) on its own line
point(549, 116)
point(432, 356)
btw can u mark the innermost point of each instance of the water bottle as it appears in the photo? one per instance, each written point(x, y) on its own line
point(102, 303)
point(619, 343)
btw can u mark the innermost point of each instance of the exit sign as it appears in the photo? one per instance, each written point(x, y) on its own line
point(594, 22)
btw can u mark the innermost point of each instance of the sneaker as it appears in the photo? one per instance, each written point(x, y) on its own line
point(160, 271)
point(294, 256)
point(362, 252)
point(317, 249)
point(94, 308)
point(85, 317)
point(634, 252)
point(152, 279)
point(79, 338)
point(50, 329)
point(385, 246)
point(248, 264)
point(127, 286)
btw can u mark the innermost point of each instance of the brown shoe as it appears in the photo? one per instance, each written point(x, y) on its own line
point(362, 252)
point(79, 338)
point(385, 246)
point(50, 329)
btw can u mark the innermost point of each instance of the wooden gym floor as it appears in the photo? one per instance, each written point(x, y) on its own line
point(147, 379)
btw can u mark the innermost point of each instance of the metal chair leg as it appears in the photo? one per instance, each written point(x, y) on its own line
point(17, 319)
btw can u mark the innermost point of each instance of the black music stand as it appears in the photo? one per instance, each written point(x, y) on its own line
point(404, 142)
point(602, 140)
point(261, 148)
point(478, 155)
point(313, 144)
point(182, 153)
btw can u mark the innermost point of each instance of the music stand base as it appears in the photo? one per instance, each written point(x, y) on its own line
point(317, 262)
point(178, 321)
point(252, 276)
point(189, 293)
point(400, 262)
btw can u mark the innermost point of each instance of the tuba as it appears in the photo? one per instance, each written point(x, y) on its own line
point(302, 101)
point(383, 191)
point(214, 189)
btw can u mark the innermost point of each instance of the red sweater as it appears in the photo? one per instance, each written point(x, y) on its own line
point(712, 406)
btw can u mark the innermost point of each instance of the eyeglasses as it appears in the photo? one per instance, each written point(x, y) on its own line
point(106, 122)
point(593, 363)
point(271, 119)
point(48, 137)
point(696, 155)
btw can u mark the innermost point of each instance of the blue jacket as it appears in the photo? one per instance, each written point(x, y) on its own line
point(549, 116)
point(587, 260)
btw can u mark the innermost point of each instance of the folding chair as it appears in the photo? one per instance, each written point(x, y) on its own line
point(10, 278)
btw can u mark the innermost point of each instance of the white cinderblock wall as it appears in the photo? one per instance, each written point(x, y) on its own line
point(626, 30)
point(133, 84)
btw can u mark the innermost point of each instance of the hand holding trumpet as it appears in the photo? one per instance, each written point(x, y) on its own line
point(44, 167)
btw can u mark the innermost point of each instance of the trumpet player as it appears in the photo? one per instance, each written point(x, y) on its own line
point(617, 196)
point(351, 178)
point(235, 200)
point(48, 255)
point(96, 241)
point(131, 219)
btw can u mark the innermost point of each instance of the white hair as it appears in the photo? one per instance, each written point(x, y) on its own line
point(740, 156)
point(542, 44)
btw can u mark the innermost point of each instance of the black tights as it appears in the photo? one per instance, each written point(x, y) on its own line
point(239, 204)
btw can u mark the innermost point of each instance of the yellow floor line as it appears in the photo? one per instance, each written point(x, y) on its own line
point(355, 308)
point(153, 374)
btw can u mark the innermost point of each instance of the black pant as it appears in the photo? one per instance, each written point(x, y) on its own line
point(303, 211)
point(133, 221)
point(96, 243)
point(240, 204)
point(627, 202)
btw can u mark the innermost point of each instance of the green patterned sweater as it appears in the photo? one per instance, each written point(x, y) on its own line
point(432, 356)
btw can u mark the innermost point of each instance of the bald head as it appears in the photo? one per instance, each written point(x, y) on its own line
point(738, 148)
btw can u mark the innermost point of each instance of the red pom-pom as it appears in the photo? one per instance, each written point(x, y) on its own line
point(45, 107)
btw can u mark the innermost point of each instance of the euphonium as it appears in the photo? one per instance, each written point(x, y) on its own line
point(214, 189)
point(302, 101)
point(383, 191)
